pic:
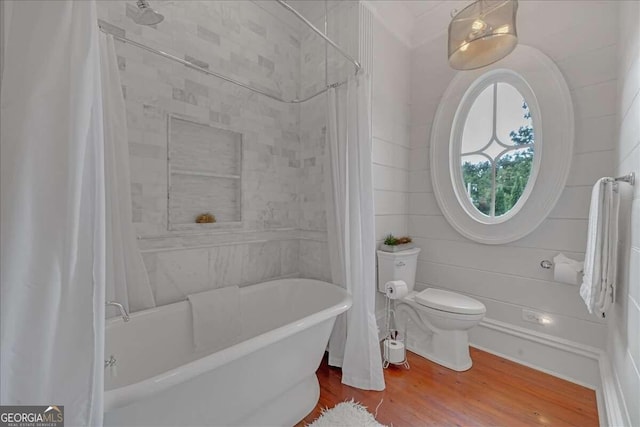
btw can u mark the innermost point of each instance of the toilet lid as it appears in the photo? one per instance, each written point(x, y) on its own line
point(450, 302)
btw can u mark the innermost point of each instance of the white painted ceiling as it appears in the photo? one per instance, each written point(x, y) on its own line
point(311, 9)
point(412, 21)
point(418, 8)
point(416, 21)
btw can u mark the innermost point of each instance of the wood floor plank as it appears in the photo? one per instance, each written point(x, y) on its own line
point(495, 392)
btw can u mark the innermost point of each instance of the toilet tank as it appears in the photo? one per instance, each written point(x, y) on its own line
point(397, 266)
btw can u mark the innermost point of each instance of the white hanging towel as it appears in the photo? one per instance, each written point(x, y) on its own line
point(216, 318)
point(598, 284)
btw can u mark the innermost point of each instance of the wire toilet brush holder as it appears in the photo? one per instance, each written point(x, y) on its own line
point(394, 351)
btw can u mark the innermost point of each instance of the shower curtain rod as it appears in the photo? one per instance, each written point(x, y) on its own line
point(213, 73)
point(236, 82)
point(321, 34)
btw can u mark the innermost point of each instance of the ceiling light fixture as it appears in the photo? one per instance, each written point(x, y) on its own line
point(482, 33)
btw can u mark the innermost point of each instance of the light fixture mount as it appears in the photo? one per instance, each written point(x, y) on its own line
point(482, 33)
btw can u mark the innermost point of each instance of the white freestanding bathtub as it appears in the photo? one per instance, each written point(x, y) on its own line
point(266, 378)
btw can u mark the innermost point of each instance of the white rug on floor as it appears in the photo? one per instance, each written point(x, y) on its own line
point(346, 414)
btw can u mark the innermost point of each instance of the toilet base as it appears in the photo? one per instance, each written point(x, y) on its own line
point(439, 336)
point(447, 348)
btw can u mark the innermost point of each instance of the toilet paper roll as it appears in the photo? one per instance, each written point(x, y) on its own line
point(393, 351)
point(567, 270)
point(396, 289)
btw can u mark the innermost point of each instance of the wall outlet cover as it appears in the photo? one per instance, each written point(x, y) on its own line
point(536, 317)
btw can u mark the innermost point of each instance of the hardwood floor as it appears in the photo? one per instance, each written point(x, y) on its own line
point(495, 392)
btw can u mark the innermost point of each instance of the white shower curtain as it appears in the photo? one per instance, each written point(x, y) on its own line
point(127, 279)
point(354, 344)
point(52, 198)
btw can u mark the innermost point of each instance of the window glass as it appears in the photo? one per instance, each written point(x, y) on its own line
point(497, 149)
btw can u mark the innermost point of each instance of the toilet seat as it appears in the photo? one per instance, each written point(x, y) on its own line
point(449, 302)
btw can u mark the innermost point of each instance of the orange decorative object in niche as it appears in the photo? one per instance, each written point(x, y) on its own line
point(205, 218)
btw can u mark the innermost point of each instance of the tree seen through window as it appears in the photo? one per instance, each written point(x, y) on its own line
point(496, 184)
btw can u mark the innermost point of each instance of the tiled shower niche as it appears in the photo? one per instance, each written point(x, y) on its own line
point(205, 175)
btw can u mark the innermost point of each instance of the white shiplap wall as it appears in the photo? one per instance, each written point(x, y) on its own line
point(580, 36)
point(390, 132)
point(623, 343)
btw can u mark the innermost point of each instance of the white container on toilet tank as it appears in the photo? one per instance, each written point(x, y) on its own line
point(397, 266)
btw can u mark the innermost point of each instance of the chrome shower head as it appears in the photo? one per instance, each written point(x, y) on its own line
point(146, 15)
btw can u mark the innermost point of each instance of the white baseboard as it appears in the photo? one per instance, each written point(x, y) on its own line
point(611, 394)
point(559, 357)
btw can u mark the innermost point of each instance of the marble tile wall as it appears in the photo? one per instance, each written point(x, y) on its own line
point(314, 254)
point(312, 152)
point(176, 273)
point(342, 27)
point(283, 227)
point(155, 87)
point(250, 43)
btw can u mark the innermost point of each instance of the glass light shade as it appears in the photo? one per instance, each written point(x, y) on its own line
point(482, 33)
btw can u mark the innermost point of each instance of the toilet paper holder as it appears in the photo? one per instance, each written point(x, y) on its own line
point(565, 269)
point(545, 263)
point(393, 338)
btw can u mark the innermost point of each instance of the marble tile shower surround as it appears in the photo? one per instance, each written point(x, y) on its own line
point(342, 27)
point(283, 227)
point(176, 273)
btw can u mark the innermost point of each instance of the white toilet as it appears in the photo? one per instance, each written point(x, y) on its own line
point(444, 317)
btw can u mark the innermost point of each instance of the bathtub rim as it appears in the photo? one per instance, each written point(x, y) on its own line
point(125, 395)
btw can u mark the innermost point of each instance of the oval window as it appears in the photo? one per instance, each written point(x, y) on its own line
point(498, 131)
point(494, 161)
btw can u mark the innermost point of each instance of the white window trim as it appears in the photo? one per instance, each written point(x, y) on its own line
point(555, 127)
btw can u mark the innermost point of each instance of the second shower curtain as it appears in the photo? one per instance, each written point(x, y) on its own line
point(127, 279)
point(67, 238)
point(354, 343)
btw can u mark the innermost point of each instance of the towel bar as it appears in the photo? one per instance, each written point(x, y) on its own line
point(629, 178)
